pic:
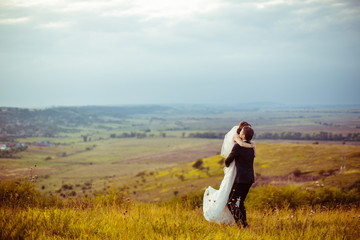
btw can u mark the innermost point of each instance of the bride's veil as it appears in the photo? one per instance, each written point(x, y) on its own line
point(228, 143)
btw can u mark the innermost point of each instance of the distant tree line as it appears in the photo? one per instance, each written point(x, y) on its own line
point(128, 135)
point(207, 135)
point(135, 135)
point(324, 136)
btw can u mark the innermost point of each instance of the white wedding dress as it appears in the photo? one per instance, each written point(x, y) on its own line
point(214, 202)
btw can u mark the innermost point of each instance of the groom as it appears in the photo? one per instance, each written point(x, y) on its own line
point(244, 161)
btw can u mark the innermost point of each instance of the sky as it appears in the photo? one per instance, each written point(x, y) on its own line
point(115, 52)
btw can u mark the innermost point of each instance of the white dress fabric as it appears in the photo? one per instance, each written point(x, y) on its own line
point(214, 201)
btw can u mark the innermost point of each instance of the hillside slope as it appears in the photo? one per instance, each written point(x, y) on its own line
point(305, 165)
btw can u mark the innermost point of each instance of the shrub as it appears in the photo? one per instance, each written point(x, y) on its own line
point(198, 164)
point(67, 187)
point(297, 173)
point(21, 193)
point(141, 174)
point(17, 193)
point(181, 177)
point(112, 197)
point(192, 200)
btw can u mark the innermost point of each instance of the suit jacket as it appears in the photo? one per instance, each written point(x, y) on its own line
point(244, 162)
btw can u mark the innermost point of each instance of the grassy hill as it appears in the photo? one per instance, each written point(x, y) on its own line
point(26, 214)
point(312, 193)
point(309, 166)
point(156, 169)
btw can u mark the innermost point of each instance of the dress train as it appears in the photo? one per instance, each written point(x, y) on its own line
point(215, 201)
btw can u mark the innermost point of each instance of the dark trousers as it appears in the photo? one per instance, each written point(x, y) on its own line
point(238, 192)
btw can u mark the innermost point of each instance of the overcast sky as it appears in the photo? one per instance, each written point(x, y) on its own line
point(113, 52)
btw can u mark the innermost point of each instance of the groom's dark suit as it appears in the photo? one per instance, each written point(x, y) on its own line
point(244, 161)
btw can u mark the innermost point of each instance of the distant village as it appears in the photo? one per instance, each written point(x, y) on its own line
point(20, 130)
point(7, 150)
point(16, 130)
point(20, 123)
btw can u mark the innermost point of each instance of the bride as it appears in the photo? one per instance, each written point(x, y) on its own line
point(215, 201)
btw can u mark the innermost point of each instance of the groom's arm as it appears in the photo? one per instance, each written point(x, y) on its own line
point(238, 140)
point(233, 154)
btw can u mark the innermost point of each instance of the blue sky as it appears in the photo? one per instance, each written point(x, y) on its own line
point(70, 52)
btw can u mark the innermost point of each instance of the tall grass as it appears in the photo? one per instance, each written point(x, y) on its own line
point(147, 221)
point(111, 215)
point(271, 197)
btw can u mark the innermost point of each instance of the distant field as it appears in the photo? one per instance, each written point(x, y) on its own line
point(97, 161)
point(154, 169)
point(106, 159)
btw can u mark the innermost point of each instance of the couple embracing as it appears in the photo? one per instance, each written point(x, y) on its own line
point(226, 205)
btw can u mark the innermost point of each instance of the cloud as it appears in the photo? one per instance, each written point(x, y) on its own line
point(55, 25)
point(265, 4)
point(14, 20)
point(90, 6)
point(185, 49)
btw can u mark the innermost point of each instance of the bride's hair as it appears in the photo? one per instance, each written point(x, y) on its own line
point(241, 125)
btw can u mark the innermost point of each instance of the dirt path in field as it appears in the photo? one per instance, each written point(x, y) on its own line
point(26, 173)
point(177, 156)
